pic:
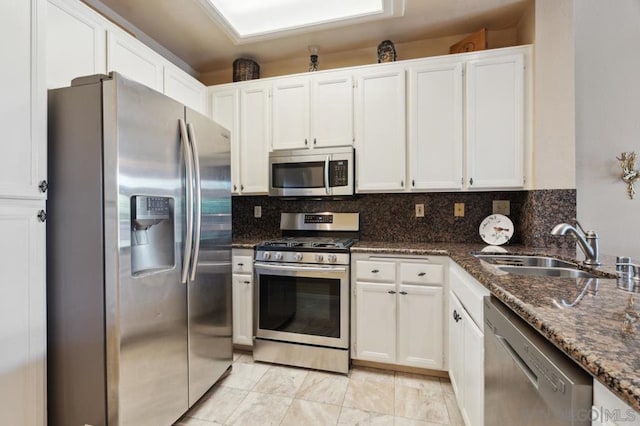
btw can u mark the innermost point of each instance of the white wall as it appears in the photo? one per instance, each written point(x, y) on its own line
point(554, 97)
point(607, 79)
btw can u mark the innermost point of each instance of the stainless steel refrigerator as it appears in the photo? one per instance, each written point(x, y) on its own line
point(138, 254)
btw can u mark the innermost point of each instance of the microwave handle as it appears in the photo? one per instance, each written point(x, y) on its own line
point(326, 174)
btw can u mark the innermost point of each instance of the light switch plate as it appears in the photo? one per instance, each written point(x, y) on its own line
point(419, 210)
point(257, 211)
point(458, 209)
point(502, 207)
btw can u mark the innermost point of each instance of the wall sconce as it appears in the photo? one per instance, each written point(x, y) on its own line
point(629, 174)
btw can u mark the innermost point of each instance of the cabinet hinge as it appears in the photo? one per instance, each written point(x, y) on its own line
point(42, 216)
point(44, 186)
point(462, 181)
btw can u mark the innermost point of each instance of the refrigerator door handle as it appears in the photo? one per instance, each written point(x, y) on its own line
point(188, 242)
point(198, 202)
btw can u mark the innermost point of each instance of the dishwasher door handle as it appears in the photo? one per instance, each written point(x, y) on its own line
point(533, 378)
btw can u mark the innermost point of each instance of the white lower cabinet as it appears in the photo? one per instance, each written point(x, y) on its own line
point(22, 314)
point(466, 344)
point(242, 297)
point(398, 309)
point(609, 410)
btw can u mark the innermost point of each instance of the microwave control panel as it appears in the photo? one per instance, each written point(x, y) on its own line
point(338, 173)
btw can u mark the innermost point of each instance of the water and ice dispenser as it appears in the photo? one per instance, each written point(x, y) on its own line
point(152, 234)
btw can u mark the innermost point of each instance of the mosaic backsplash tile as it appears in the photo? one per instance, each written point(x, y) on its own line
point(391, 217)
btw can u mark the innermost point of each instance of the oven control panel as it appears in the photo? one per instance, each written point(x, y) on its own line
point(302, 257)
point(318, 218)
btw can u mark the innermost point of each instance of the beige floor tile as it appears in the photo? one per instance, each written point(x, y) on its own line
point(323, 387)
point(375, 395)
point(371, 375)
point(311, 413)
point(420, 404)
point(446, 386)
point(260, 409)
point(244, 376)
point(283, 381)
point(402, 421)
point(218, 405)
point(455, 418)
point(418, 381)
point(355, 417)
point(245, 359)
point(189, 421)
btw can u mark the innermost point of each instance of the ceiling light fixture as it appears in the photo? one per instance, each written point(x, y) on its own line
point(251, 20)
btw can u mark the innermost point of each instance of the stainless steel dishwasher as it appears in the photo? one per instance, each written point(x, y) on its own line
point(528, 381)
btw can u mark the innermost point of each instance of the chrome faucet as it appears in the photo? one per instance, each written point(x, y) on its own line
point(587, 241)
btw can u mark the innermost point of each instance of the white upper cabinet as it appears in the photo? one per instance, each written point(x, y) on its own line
point(224, 111)
point(23, 106)
point(185, 89)
point(313, 111)
point(255, 116)
point(134, 60)
point(435, 125)
point(76, 43)
point(291, 113)
point(380, 129)
point(495, 122)
point(332, 109)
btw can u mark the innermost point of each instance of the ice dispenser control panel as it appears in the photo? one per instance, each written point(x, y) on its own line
point(148, 211)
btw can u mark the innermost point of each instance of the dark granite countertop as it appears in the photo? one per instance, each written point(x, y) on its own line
point(593, 332)
point(245, 243)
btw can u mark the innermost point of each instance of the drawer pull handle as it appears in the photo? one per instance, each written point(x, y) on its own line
point(422, 274)
point(247, 282)
point(403, 292)
point(391, 292)
point(240, 264)
point(456, 316)
point(375, 271)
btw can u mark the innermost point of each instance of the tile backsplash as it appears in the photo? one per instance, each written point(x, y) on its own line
point(391, 217)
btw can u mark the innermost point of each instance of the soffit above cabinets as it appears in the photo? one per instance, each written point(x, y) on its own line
point(191, 30)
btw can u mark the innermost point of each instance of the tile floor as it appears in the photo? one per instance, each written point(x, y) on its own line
point(266, 394)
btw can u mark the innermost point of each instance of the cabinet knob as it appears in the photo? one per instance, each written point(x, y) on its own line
point(241, 187)
point(235, 187)
point(314, 141)
point(403, 292)
point(305, 142)
point(456, 316)
point(375, 271)
point(391, 292)
point(422, 274)
point(471, 181)
point(401, 184)
point(413, 183)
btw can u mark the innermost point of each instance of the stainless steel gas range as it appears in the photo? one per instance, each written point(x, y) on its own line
point(302, 292)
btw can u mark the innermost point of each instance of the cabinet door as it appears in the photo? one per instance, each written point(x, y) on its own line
point(332, 110)
point(435, 126)
point(134, 60)
point(420, 326)
point(456, 348)
point(23, 151)
point(224, 111)
point(376, 322)
point(76, 43)
point(291, 113)
point(242, 305)
point(494, 125)
point(185, 89)
point(473, 372)
point(380, 130)
point(254, 139)
point(22, 312)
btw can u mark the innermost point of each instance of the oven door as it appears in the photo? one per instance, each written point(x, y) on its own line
point(306, 304)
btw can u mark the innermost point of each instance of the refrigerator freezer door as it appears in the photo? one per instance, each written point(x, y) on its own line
point(209, 290)
point(146, 312)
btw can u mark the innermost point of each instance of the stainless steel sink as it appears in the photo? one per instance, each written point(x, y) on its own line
point(533, 265)
point(525, 260)
point(558, 272)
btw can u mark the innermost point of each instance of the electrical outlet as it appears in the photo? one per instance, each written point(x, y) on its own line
point(419, 210)
point(502, 207)
point(458, 209)
point(257, 211)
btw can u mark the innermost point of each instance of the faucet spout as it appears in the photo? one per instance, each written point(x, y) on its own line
point(588, 242)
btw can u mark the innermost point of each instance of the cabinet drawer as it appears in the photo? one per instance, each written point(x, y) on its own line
point(242, 264)
point(375, 271)
point(421, 273)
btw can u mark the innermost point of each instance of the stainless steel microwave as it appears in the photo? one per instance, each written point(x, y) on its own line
point(316, 172)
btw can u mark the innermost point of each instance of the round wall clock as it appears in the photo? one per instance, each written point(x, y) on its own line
point(496, 229)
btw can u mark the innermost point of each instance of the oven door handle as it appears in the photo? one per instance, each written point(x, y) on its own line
point(326, 174)
point(281, 267)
